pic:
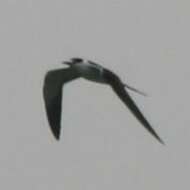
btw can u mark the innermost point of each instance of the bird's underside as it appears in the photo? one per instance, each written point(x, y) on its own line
point(52, 92)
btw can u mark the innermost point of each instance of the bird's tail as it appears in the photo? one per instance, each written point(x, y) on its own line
point(135, 90)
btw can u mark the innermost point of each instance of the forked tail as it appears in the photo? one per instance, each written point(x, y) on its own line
point(135, 90)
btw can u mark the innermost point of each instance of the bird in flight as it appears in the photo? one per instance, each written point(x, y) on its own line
point(79, 68)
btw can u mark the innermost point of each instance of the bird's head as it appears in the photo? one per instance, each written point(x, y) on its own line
point(73, 61)
point(76, 60)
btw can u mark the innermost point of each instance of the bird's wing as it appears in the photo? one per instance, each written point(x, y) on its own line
point(119, 89)
point(52, 93)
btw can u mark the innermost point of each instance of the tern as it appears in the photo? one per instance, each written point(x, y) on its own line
point(79, 68)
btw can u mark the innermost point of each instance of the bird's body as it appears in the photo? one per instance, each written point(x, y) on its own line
point(89, 70)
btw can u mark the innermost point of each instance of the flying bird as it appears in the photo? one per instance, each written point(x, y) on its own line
point(79, 68)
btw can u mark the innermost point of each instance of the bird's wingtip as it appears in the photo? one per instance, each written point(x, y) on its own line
point(160, 140)
point(57, 136)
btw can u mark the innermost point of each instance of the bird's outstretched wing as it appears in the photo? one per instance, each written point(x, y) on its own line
point(52, 93)
point(119, 89)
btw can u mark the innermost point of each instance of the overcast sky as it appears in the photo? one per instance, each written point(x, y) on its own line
point(102, 146)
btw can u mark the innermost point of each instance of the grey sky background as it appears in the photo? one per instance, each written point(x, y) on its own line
point(102, 146)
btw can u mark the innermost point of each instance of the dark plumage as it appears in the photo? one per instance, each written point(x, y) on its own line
point(54, 81)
